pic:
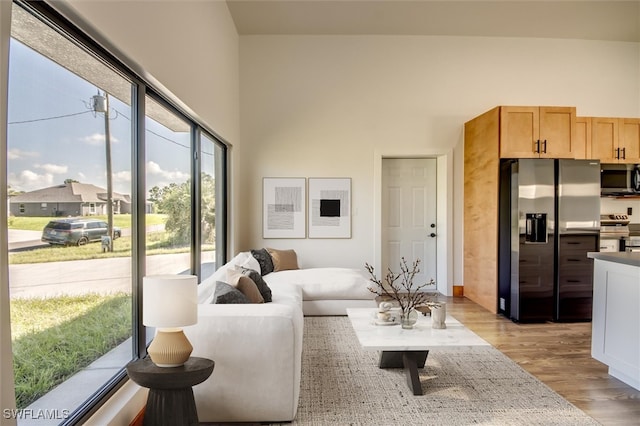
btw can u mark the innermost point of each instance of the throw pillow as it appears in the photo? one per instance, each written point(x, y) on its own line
point(226, 293)
point(264, 259)
point(264, 289)
point(249, 289)
point(283, 260)
point(245, 285)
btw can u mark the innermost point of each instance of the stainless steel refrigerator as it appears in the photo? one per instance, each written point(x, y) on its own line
point(549, 220)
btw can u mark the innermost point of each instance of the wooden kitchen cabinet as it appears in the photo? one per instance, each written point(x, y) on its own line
point(582, 141)
point(604, 139)
point(629, 142)
point(537, 132)
point(615, 140)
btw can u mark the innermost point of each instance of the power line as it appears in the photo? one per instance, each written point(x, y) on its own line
point(48, 118)
point(117, 112)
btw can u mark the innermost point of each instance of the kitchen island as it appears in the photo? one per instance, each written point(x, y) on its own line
point(615, 335)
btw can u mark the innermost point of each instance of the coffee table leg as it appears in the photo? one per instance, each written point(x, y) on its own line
point(410, 361)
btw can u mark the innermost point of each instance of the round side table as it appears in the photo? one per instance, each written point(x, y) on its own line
point(170, 400)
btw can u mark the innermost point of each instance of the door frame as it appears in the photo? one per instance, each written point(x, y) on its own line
point(444, 212)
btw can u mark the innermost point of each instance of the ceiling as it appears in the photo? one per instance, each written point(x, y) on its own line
point(567, 19)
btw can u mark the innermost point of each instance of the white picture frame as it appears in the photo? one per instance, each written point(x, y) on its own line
point(284, 207)
point(329, 208)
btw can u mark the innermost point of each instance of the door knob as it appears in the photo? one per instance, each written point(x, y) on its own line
point(433, 225)
point(432, 235)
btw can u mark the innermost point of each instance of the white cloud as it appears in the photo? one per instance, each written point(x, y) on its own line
point(28, 180)
point(17, 154)
point(97, 139)
point(123, 176)
point(174, 176)
point(53, 168)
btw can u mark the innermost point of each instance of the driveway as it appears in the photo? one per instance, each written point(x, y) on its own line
point(21, 239)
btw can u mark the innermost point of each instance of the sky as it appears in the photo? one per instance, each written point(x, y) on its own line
point(54, 135)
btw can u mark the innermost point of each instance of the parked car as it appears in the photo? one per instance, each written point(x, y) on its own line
point(76, 231)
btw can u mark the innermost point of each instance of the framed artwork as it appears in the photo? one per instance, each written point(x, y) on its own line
point(329, 207)
point(283, 207)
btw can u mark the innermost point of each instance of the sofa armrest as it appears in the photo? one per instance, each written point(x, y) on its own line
point(257, 349)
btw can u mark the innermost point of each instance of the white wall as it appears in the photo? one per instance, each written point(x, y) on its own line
point(314, 106)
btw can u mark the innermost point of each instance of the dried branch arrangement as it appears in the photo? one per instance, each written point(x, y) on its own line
point(400, 287)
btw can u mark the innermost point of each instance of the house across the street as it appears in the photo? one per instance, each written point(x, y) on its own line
point(68, 199)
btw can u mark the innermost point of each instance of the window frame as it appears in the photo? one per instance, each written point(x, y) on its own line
point(66, 21)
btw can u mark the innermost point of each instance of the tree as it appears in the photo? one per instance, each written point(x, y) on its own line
point(174, 200)
point(208, 209)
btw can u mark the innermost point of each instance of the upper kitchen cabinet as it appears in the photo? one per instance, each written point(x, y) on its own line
point(537, 132)
point(604, 139)
point(629, 142)
point(582, 141)
point(615, 140)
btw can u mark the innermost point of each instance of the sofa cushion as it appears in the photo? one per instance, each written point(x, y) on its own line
point(264, 289)
point(283, 260)
point(324, 283)
point(226, 293)
point(264, 260)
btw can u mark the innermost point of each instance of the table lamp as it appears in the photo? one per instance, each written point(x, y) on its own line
point(169, 302)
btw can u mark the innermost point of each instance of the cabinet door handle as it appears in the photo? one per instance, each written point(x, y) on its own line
point(537, 148)
point(624, 153)
point(544, 146)
point(617, 154)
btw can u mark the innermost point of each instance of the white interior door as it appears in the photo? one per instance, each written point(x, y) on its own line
point(409, 227)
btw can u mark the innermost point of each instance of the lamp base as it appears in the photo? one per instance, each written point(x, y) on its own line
point(170, 348)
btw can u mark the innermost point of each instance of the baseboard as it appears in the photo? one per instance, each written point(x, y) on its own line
point(458, 291)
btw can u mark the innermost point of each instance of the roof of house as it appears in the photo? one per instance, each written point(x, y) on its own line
point(74, 192)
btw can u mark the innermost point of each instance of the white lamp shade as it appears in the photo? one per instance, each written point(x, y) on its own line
point(169, 300)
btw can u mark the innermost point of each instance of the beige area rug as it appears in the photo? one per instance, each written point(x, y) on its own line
point(342, 385)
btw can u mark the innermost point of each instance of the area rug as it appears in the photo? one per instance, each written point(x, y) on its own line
point(342, 385)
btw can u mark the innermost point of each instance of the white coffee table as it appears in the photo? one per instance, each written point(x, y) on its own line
point(408, 349)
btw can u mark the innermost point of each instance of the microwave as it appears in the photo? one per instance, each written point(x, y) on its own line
point(620, 179)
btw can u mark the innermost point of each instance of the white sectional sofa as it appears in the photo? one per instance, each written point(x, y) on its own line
point(257, 348)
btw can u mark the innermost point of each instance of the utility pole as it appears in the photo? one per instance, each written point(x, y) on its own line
point(101, 104)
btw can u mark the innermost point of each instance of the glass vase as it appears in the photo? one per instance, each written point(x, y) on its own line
point(409, 319)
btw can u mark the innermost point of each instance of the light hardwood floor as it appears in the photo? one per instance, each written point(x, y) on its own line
point(558, 354)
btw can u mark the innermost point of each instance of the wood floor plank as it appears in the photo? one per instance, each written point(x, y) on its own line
point(559, 355)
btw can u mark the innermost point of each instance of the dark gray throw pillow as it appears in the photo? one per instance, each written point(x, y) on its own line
point(264, 289)
point(264, 259)
point(226, 293)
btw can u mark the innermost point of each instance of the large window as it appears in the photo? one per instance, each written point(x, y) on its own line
point(89, 217)
point(168, 176)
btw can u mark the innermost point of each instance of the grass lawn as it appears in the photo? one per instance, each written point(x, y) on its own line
point(56, 337)
point(157, 243)
point(122, 221)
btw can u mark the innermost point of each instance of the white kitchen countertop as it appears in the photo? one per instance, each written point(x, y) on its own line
point(625, 258)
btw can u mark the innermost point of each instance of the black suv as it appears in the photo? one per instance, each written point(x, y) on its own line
point(76, 231)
